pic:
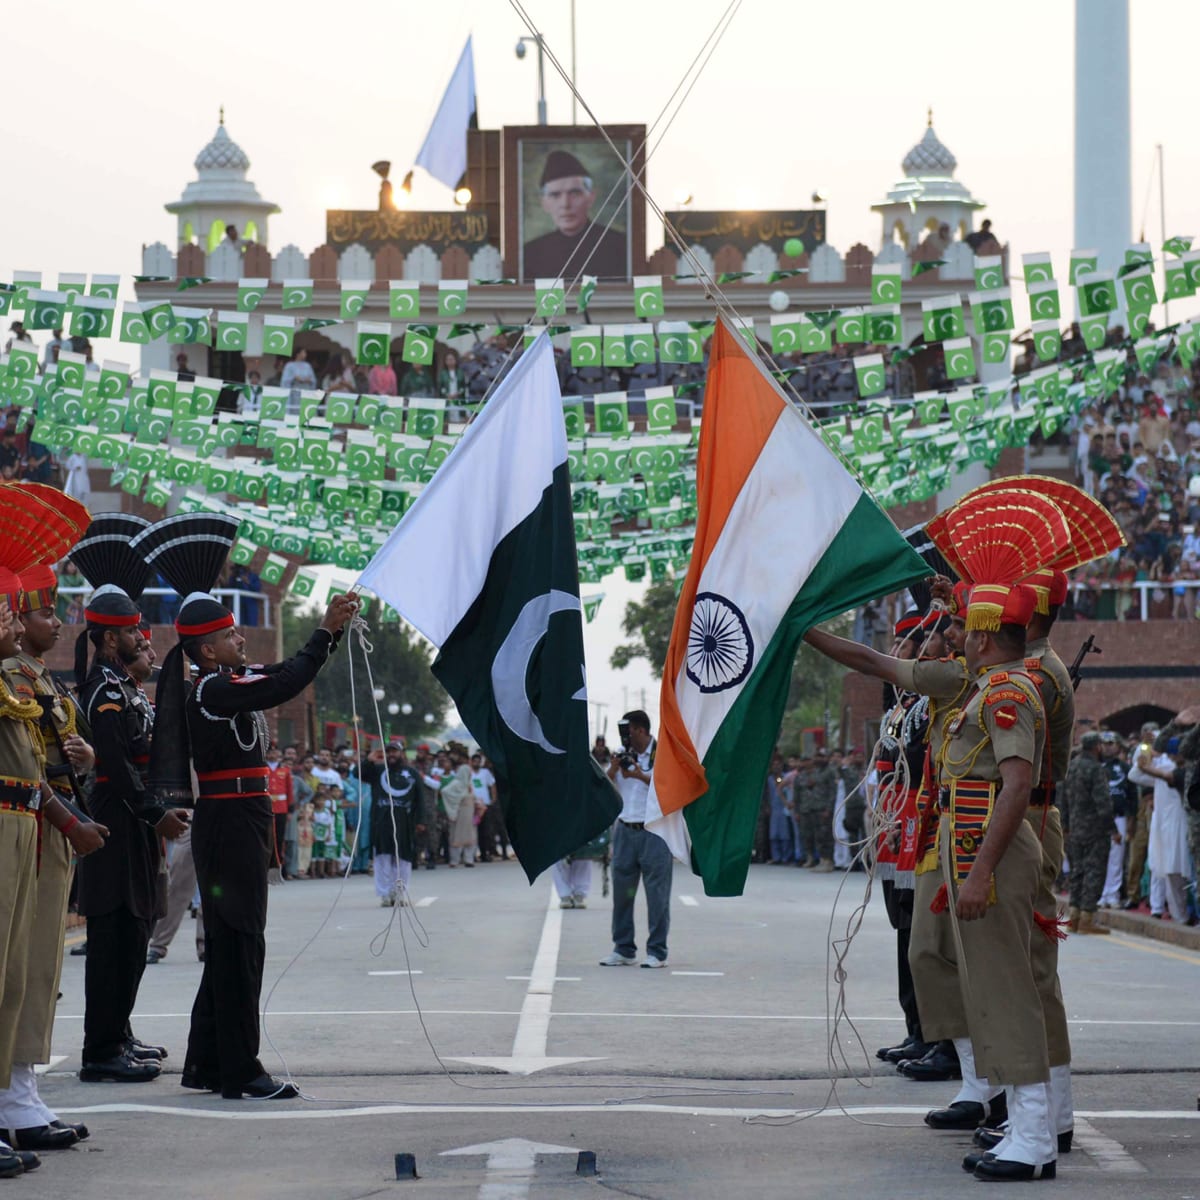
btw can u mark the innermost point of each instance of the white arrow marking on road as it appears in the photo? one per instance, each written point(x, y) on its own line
point(424, 902)
point(510, 1165)
point(533, 1025)
point(706, 974)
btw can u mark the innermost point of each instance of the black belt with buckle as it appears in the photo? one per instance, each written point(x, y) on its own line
point(20, 797)
point(634, 824)
point(1041, 796)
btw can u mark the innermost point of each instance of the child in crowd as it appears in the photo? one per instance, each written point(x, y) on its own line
point(304, 839)
point(324, 851)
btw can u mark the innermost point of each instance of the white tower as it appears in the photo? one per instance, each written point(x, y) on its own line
point(221, 196)
point(1102, 161)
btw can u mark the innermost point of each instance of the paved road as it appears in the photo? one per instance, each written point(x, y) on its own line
point(685, 1082)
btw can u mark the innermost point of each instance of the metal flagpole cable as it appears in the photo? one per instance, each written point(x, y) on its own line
point(711, 287)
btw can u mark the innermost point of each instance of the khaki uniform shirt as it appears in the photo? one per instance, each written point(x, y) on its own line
point(19, 757)
point(27, 678)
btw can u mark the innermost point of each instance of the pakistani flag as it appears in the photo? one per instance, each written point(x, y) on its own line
point(647, 296)
point(452, 297)
point(550, 297)
point(868, 370)
point(886, 283)
point(1082, 263)
point(753, 589)
point(353, 299)
point(250, 293)
point(504, 610)
point(232, 328)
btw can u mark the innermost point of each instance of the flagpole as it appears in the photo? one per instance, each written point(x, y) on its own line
point(574, 101)
point(1162, 222)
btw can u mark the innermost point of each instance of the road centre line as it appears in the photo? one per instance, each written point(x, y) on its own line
point(256, 1112)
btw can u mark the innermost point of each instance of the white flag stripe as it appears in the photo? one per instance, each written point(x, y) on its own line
point(493, 479)
point(787, 514)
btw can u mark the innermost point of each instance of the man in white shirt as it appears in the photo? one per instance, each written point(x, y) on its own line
point(324, 772)
point(637, 853)
point(483, 784)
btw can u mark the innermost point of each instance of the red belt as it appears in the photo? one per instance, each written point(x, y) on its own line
point(244, 781)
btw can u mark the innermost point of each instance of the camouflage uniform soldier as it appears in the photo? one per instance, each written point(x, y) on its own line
point(1088, 819)
point(816, 790)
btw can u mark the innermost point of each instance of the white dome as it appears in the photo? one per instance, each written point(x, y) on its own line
point(222, 153)
point(929, 157)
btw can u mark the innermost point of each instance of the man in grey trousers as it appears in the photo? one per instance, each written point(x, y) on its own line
point(638, 854)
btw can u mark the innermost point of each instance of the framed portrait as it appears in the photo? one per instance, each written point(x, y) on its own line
point(567, 204)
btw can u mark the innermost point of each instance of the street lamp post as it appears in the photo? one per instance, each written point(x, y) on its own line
point(541, 55)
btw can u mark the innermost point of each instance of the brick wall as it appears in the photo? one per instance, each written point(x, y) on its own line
point(1147, 670)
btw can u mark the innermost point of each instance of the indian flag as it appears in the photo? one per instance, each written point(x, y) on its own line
point(484, 565)
point(785, 538)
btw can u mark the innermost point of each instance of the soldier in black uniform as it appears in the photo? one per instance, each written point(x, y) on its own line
point(120, 889)
point(219, 728)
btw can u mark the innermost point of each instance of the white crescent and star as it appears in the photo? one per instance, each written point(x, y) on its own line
point(511, 665)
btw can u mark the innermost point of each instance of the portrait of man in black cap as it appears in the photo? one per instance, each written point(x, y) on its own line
point(567, 196)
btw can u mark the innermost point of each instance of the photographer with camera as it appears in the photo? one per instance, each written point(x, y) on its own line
point(638, 854)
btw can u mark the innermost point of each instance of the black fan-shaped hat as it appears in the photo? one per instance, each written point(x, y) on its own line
point(105, 557)
point(189, 550)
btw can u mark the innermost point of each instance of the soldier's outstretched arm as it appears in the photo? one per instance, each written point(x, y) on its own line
point(855, 655)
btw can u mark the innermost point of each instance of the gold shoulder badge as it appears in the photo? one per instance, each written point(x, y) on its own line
point(28, 671)
point(998, 677)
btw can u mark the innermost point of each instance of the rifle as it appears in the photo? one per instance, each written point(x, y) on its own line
point(1074, 671)
point(46, 721)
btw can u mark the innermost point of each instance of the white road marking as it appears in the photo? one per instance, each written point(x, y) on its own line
point(710, 974)
point(511, 1164)
point(1109, 1154)
point(689, 901)
point(55, 1059)
point(557, 978)
point(394, 973)
point(533, 1025)
point(424, 902)
point(259, 1112)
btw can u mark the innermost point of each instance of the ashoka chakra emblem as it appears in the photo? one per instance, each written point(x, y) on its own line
point(720, 649)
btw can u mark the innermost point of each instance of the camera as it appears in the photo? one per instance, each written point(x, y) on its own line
point(626, 759)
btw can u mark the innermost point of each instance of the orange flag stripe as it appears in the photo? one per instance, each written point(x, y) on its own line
point(741, 408)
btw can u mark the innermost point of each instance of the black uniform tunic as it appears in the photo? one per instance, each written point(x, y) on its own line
point(121, 888)
point(231, 845)
point(395, 796)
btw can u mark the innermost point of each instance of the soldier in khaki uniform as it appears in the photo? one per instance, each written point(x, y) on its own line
point(32, 1125)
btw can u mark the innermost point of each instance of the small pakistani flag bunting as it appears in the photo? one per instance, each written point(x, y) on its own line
point(919, 268)
point(886, 283)
point(870, 374)
point(250, 293)
point(942, 318)
point(995, 347)
point(279, 332)
point(418, 345)
point(550, 298)
point(232, 328)
point(1094, 330)
point(372, 343)
point(273, 569)
point(92, 317)
point(493, 282)
point(587, 289)
point(316, 323)
point(1043, 300)
point(303, 583)
point(1083, 262)
point(452, 297)
point(191, 281)
point(1097, 293)
point(1047, 340)
point(353, 298)
point(45, 309)
point(191, 328)
point(152, 279)
point(732, 277)
point(1037, 267)
point(959, 354)
point(297, 293)
point(989, 273)
point(791, 272)
point(591, 606)
point(404, 299)
point(586, 346)
point(462, 330)
point(647, 296)
point(1177, 245)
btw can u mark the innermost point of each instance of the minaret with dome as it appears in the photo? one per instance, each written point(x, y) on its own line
point(221, 196)
point(928, 195)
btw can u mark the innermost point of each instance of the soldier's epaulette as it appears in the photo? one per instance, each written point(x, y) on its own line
point(1034, 664)
point(997, 677)
point(12, 664)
